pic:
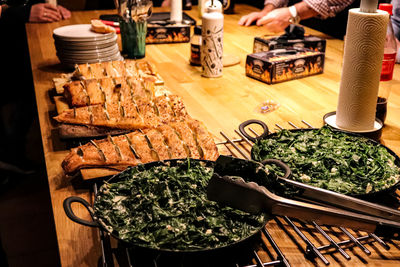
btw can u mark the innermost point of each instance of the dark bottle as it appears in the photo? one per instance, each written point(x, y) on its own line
point(229, 6)
point(187, 5)
point(195, 47)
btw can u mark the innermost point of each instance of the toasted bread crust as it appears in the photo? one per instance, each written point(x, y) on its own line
point(130, 114)
point(163, 142)
point(100, 27)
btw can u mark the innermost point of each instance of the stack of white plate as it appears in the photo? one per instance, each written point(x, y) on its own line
point(77, 44)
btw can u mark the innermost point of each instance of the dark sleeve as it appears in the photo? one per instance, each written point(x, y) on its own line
point(16, 14)
point(396, 18)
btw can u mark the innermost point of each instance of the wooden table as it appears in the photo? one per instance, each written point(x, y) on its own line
point(222, 104)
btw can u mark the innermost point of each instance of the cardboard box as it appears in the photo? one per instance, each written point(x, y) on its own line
point(284, 64)
point(267, 43)
point(160, 30)
point(167, 34)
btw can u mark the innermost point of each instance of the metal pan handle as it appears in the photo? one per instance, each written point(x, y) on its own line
point(280, 164)
point(251, 138)
point(70, 214)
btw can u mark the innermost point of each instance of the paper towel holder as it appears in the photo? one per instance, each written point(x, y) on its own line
point(374, 134)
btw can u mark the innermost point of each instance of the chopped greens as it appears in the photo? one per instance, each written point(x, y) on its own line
point(332, 160)
point(166, 207)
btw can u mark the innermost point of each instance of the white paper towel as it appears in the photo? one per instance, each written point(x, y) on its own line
point(362, 63)
point(176, 10)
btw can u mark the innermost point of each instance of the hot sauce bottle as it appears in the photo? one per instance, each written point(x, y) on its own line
point(389, 60)
point(195, 47)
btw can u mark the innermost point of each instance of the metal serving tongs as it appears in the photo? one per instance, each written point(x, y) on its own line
point(227, 186)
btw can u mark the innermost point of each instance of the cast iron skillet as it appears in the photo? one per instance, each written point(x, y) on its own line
point(386, 195)
point(96, 223)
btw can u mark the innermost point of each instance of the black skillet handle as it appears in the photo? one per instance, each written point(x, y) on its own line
point(280, 164)
point(70, 214)
point(387, 232)
point(243, 125)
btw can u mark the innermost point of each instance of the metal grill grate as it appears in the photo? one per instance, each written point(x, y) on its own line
point(240, 147)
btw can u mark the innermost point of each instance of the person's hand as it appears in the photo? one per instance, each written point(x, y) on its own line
point(166, 3)
point(276, 20)
point(255, 16)
point(65, 13)
point(44, 13)
point(247, 20)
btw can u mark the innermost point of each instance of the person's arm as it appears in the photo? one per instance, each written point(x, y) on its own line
point(253, 17)
point(327, 8)
point(44, 13)
point(278, 19)
point(396, 26)
point(248, 19)
point(65, 13)
point(15, 14)
point(166, 3)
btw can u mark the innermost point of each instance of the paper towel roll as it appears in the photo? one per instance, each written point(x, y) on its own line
point(362, 63)
point(176, 10)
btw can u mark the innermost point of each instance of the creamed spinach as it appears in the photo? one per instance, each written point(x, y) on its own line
point(332, 160)
point(166, 207)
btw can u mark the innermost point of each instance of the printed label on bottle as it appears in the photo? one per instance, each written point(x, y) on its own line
point(195, 54)
point(387, 66)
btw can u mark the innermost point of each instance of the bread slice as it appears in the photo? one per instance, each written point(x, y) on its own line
point(143, 146)
point(129, 115)
point(99, 27)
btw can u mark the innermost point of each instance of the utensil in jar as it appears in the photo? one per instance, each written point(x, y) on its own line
point(251, 197)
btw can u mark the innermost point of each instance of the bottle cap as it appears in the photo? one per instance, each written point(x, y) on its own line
point(368, 6)
point(197, 30)
point(213, 6)
point(386, 7)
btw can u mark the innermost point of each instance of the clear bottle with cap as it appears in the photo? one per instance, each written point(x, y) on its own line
point(195, 47)
point(389, 60)
point(212, 40)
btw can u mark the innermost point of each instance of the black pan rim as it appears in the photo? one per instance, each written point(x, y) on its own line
point(171, 251)
point(390, 189)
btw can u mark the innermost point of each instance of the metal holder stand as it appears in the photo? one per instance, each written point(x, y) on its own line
point(241, 148)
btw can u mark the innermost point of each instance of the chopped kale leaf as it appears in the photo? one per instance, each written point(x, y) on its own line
point(332, 160)
point(166, 207)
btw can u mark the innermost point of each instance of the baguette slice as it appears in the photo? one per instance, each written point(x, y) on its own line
point(108, 90)
point(68, 131)
point(112, 69)
point(99, 27)
point(140, 69)
point(161, 143)
point(128, 115)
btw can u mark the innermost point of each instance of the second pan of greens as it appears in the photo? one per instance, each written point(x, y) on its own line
point(331, 159)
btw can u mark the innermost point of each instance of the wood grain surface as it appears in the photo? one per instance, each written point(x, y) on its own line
point(221, 103)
